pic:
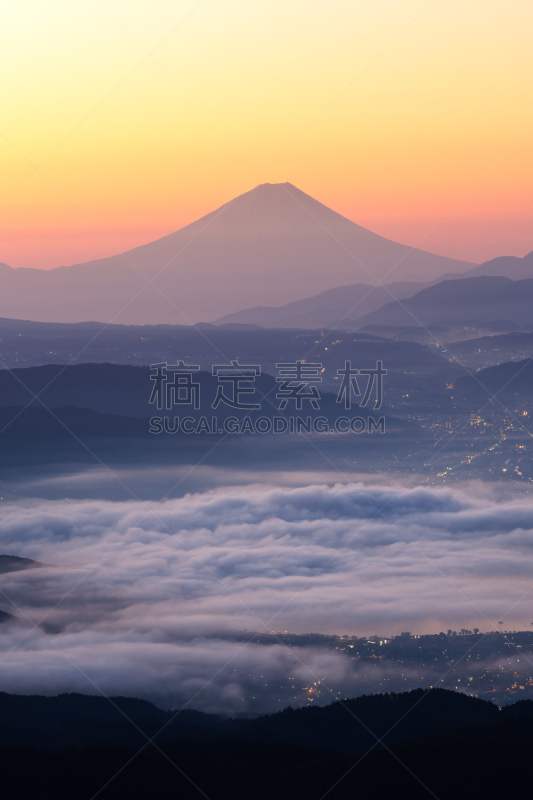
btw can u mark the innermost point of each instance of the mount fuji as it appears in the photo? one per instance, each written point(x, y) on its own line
point(270, 246)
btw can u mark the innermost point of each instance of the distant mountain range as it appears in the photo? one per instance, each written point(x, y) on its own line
point(41, 345)
point(509, 266)
point(330, 306)
point(466, 299)
point(346, 304)
point(274, 245)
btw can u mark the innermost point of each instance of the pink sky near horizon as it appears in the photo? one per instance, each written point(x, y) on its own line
point(470, 240)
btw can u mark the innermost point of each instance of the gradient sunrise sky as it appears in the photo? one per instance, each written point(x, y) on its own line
point(143, 116)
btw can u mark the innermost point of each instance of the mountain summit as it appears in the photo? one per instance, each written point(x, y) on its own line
point(270, 246)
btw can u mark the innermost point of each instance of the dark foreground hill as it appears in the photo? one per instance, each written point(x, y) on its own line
point(442, 744)
point(475, 763)
point(349, 726)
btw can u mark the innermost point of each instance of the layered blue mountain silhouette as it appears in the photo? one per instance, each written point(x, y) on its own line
point(345, 303)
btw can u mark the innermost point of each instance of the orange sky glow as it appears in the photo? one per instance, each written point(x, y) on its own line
point(123, 121)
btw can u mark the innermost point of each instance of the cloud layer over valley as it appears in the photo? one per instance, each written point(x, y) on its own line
point(149, 599)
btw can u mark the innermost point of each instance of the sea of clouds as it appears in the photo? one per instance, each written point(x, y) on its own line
point(144, 598)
